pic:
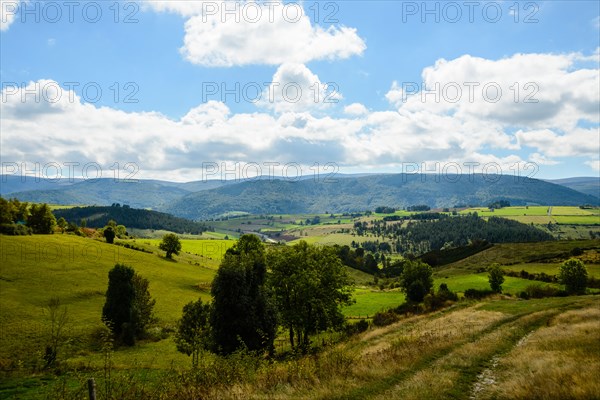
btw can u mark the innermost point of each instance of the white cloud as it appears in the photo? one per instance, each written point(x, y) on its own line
point(295, 88)
point(536, 90)
point(356, 109)
point(8, 12)
point(594, 164)
point(269, 33)
point(48, 127)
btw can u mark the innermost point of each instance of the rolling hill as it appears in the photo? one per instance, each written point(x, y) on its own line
point(588, 185)
point(364, 193)
point(347, 193)
point(98, 216)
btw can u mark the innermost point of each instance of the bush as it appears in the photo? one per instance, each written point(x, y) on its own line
point(359, 327)
point(409, 308)
point(478, 294)
point(384, 318)
point(537, 291)
point(15, 229)
point(573, 274)
point(442, 298)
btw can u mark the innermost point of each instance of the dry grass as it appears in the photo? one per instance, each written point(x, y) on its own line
point(560, 361)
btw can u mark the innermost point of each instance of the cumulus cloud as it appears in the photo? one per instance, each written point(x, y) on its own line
point(537, 90)
point(234, 33)
point(48, 127)
point(8, 12)
point(356, 109)
point(295, 88)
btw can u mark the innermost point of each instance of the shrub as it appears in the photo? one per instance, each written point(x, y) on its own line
point(574, 276)
point(358, 327)
point(15, 229)
point(478, 294)
point(496, 277)
point(384, 318)
point(537, 291)
point(442, 298)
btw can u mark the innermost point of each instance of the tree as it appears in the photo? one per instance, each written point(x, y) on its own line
point(193, 330)
point(243, 315)
point(310, 285)
point(573, 274)
point(58, 317)
point(496, 277)
point(41, 220)
point(170, 244)
point(109, 234)
point(143, 305)
point(118, 310)
point(62, 224)
point(120, 231)
point(416, 280)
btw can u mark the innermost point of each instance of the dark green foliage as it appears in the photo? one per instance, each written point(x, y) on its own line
point(109, 234)
point(573, 274)
point(478, 294)
point(120, 295)
point(129, 308)
point(538, 291)
point(193, 330)
point(131, 217)
point(62, 224)
point(496, 277)
point(384, 318)
point(143, 305)
point(41, 220)
point(416, 280)
point(15, 229)
point(385, 210)
point(310, 287)
point(447, 256)
point(243, 315)
point(419, 207)
point(170, 244)
point(435, 301)
point(356, 328)
point(499, 204)
point(13, 211)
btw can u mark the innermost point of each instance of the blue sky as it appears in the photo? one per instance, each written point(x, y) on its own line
point(156, 61)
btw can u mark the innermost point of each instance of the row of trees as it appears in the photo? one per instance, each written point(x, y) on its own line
point(303, 293)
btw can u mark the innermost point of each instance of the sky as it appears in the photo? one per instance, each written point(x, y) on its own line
point(190, 90)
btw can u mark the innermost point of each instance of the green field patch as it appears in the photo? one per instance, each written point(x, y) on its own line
point(35, 268)
point(211, 249)
point(577, 219)
point(460, 283)
point(369, 301)
point(565, 210)
point(550, 269)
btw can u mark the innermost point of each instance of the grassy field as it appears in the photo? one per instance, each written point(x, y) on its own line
point(75, 269)
point(206, 249)
point(542, 215)
point(441, 355)
point(498, 349)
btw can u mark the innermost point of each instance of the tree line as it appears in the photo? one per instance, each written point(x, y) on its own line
point(22, 218)
point(99, 216)
point(436, 231)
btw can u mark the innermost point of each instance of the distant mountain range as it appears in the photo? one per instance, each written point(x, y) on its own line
point(345, 193)
point(585, 185)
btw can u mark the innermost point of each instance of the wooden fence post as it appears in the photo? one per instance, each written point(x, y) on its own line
point(92, 388)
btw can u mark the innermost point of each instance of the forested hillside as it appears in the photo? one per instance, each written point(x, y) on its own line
point(97, 217)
